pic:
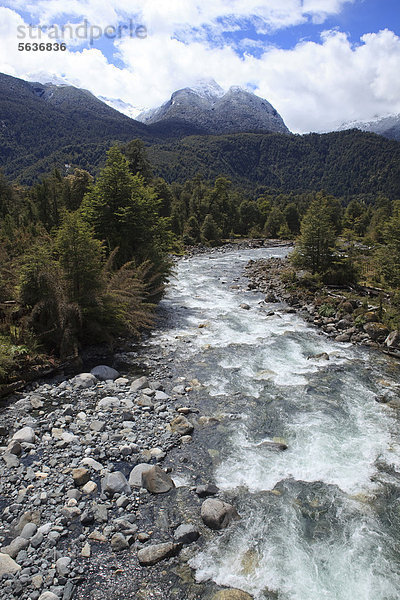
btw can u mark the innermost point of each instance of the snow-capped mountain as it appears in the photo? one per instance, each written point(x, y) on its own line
point(123, 107)
point(207, 106)
point(388, 126)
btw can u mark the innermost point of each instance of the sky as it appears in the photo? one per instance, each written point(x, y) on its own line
point(320, 63)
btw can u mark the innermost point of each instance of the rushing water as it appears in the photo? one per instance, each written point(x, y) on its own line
point(320, 520)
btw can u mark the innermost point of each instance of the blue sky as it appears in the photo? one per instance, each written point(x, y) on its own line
point(319, 62)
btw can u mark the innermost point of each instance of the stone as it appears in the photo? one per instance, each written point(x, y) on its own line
point(107, 403)
point(280, 446)
point(37, 540)
point(48, 596)
point(119, 542)
point(80, 475)
point(161, 396)
point(208, 489)
point(186, 534)
point(63, 566)
point(36, 401)
point(153, 554)
point(181, 425)
point(135, 477)
point(86, 550)
point(121, 381)
point(94, 464)
point(343, 337)
point(232, 594)
point(90, 487)
point(97, 426)
point(138, 384)
point(14, 447)
point(320, 356)
point(103, 372)
point(8, 566)
point(11, 460)
point(17, 544)
point(245, 306)
point(217, 514)
point(145, 401)
point(26, 434)
point(393, 339)
point(156, 481)
point(347, 307)
point(37, 581)
point(29, 531)
point(84, 380)
point(115, 483)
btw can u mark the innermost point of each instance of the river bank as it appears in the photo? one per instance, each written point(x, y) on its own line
point(346, 314)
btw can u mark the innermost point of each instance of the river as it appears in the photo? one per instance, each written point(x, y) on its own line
point(320, 520)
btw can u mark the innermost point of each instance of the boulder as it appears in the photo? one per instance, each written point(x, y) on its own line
point(393, 339)
point(232, 594)
point(217, 514)
point(376, 331)
point(8, 566)
point(84, 380)
point(181, 425)
point(245, 306)
point(26, 434)
point(63, 566)
point(103, 373)
point(115, 483)
point(14, 447)
point(156, 481)
point(207, 489)
point(49, 596)
point(153, 554)
point(135, 477)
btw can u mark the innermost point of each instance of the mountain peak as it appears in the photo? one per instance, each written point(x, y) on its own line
point(207, 106)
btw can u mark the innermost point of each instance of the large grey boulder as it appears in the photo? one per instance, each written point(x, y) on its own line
point(26, 434)
point(156, 481)
point(8, 566)
point(153, 554)
point(135, 477)
point(217, 514)
point(376, 331)
point(115, 483)
point(103, 373)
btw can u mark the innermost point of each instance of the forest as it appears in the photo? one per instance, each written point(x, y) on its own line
point(85, 259)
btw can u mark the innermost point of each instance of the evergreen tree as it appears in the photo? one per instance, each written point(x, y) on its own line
point(138, 162)
point(315, 246)
point(210, 233)
point(388, 256)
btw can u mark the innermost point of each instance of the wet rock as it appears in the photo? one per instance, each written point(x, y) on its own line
point(115, 483)
point(8, 566)
point(138, 384)
point(245, 306)
point(80, 475)
point(153, 554)
point(84, 380)
point(156, 481)
point(119, 542)
point(135, 477)
point(232, 594)
point(181, 425)
point(26, 434)
point(186, 534)
point(279, 446)
point(103, 373)
point(217, 514)
point(320, 356)
point(208, 489)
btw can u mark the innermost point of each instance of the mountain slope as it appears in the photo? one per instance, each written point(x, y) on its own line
point(211, 109)
point(36, 120)
point(389, 127)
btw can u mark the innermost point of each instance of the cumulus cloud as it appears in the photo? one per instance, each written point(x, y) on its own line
point(314, 86)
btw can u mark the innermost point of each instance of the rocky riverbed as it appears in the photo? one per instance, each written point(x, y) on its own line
point(92, 495)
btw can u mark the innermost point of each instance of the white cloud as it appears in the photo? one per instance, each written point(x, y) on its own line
point(314, 86)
